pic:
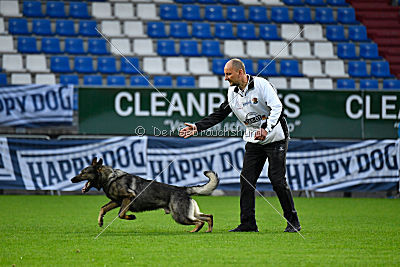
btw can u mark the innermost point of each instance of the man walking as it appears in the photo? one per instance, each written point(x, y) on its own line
point(256, 104)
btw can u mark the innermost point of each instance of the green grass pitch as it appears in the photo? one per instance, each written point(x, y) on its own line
point(61, 230)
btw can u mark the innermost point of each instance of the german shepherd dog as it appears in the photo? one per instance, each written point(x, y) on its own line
point(133, 193)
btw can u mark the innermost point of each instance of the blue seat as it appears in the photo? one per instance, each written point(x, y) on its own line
point(18, 26)
point(315, 2)
point(55, 9)
point(294, 2)
point(185, 81)
point(116, 80)
point(368, 84)
point(179, 30)
point(83, 64)
point(267, 67)
point(324, 15)
point(27, 45)
point(235, 13)
point(290, 68)
point(248, 64)
point(78, 10)
point(74, 46)
point(211, 48)
point(224, 31)
point(156, 30)
point(369, 51)
point(69, 79)
point(166, 48)
point(358, 34)
point(201, 30)
point(185, 1)
point(337, 2)
point(205, 2)
point(218, 65)
point(3, 79)
point(335, 33)
point(162, 81)
point(51, 45)
point(302, 15)
point(391, 84)
point(97, 46)
point(347, 50)
point(280, 15)
point(246, 31)
point(345, 84)
point(169, 12)
point(41, 27)
point(92, 80)
point(346, 15)
point(358, 69)
point(32, 9)
point(380, 69)
point(139, 81)
point(60, 64)
point(189, 48)
point(228, 2)
point(130, 65)
point(65, 28)
point(191, 13)
point(106, 65)
point(258, 14)
point(88, 28)
point(213, 13)
point(269, 32)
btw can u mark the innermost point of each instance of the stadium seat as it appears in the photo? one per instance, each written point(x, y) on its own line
point(279, 49)
point(228, 2)
point(18, 26)
point(299, 83)
point(88, 28)
point(55, 9)
point(106, 65)
point(191, 13)
point(153, 65)
point(201, 30)
point(176, 66)
point(337, 2)
point(313, 32)
point(51, 45)
point(45, 78)
point(139, 81)
point(301, 50)
point(20, 78)
point(2, 27)
point(234, 48)
point(92, 80)
point(27, 45)
point(65, 28)
point(335, 68)
point(147, 11)
point(7, 44)
point(345, 84)
point(211, 48)
point(3, 79)
point(166, 48)
point(335, 33)
point(391, 84)
point(121, 45)
point(124, 11)
point(32, 9)
point(280, 15)
point(185, 81)
point(267, 67)
point(208, 82)
point(312, 68)
point(74, 46)
point(323, 83)
point(279, 82)
point(380, 69)
point(346, 50)
point(191, 1)
point(9, 9)
point(324, 15)
point(69, 79)
point(199, 66)
point(83, 64)
point(290, 68)
point(346, 15)
point(302, 15)
point(293, 2)
point(315, 2)
point(179, 30)
point(258, 14)
point(368, 84)
point(60, 64)
point(235, 14)
point(169, 12)
point(358, 69)
point(126, 65)
point(116, 80)
point(134, 28)
point(111, 28)
point(97, 46)
point(369, 51)
point(256, 49)
point(162, 81)
point(323, 50)
point(188, 48)
point(224, 31)
point(291, 32)
point(248, 64)
point(204, 2)
point(101, 10)
point(218, 65)
point(213, 13)
point(358, 34)
point(36, 63)
point(269, 32)
point(156, 29)
point(246, 31)
point(143, 47)
point(78, 10)
point(41, 27)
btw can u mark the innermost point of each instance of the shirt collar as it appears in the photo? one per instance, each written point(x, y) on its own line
point(249, 86)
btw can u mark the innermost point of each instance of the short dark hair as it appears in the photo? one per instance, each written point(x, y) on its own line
point(237, 64)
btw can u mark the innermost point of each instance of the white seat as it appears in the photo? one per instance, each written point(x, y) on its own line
point(101, 10)
point(45, 79)
point(143, 47)
point(312, 68)
point(7, 44)
point(21, 78)
point(323, 83)
point(36, 63)
point(279, 49)
point(13, 63)
point(313, 33)
point(257, 49)
point(119, 0)
point(301, 50)
point(291, 32)
point(111, 28)
point(124, 11)
point(234, 48)
point(134, 29)
point(225, 84)
point(199, 66)
point(272, 2)
point(208, 82)
point(324, 50)
point(176, 66)
point(147, 11)
point(9, 8)
point(279, 82)
point(153, 65)
point(2, 29)
point(250, 2)
point(121, 45)
point(162, 1)
point(299, 83)
point(335, 68)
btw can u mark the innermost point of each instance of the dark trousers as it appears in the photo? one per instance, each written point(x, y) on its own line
point(253, 163)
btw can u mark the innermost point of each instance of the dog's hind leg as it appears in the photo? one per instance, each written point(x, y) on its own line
point(106, 208)
point(126, 202)
point(203, 217)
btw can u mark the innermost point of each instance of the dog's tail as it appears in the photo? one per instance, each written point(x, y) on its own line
point(207, 188)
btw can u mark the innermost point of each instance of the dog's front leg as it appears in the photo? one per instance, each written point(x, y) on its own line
point(106, 208)
point(124, 208)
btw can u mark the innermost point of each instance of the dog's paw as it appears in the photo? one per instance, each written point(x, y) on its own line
point(101, 222)
point(130, 217)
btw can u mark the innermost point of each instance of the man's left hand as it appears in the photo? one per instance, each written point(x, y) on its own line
point(261, 134)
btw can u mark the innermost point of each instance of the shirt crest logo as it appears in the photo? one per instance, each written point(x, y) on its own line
point(254, 100)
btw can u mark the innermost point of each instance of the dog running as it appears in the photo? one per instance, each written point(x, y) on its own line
point(133, 193)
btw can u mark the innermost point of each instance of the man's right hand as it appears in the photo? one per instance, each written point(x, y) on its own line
point(188, 131)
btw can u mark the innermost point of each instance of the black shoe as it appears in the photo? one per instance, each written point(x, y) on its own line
point(293, 228)
point(244, 229)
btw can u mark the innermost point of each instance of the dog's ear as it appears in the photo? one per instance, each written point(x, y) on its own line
point(99, 163)
point(94, 161)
